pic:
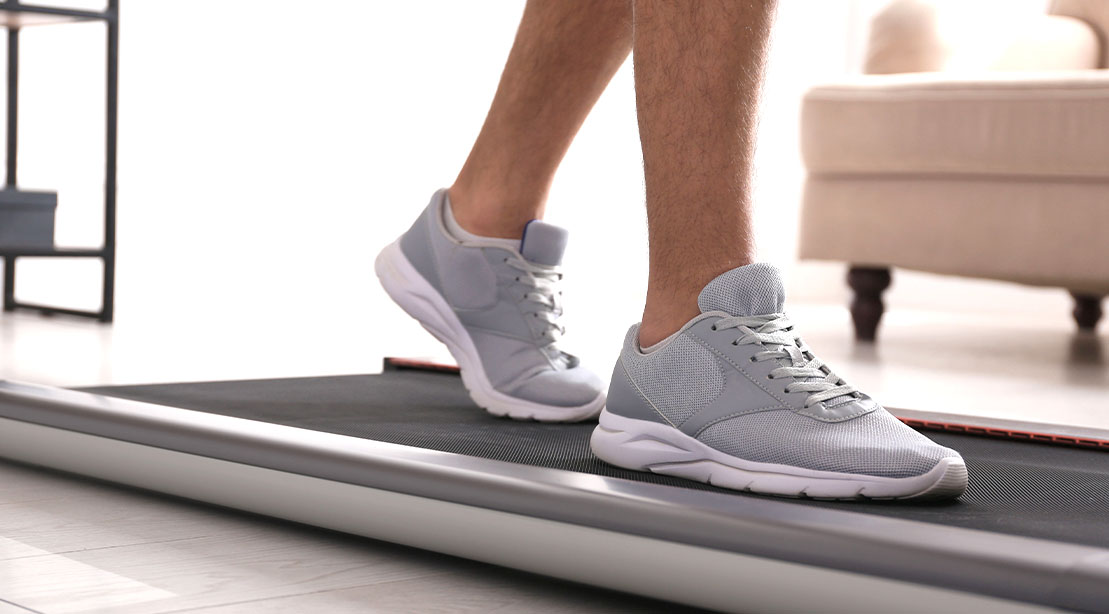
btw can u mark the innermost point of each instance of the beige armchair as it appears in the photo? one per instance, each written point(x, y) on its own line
point(989, 160)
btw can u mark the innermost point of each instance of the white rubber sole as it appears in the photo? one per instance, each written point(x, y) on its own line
point(659, 448)
point(404, 284)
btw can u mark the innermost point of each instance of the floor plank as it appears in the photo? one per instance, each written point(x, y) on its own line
point(72, 545)
point(7, 607)
point(461, 592)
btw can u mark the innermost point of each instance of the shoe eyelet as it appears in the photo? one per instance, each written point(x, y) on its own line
point(769, 376)
point(786, 391)
point(752, 359)
point(713, 328)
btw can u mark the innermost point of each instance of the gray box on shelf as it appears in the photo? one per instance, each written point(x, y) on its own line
point(27, 218)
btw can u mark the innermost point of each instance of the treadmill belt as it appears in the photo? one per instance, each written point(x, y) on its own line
point(1016, 487)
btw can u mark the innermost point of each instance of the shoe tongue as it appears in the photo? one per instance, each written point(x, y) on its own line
point(751, 290)
point(543, 243)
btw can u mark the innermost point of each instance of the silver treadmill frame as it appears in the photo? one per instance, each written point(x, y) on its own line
point(701, 548)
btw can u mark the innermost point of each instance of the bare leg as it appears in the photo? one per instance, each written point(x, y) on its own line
point(564, 55)
point(698, 66)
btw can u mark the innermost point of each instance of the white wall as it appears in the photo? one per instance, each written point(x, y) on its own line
point(268, 150)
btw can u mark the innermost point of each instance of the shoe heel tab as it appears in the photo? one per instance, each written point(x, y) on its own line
point(626, 399)
point(631, 341)
point(439, 198)
point(435, 211)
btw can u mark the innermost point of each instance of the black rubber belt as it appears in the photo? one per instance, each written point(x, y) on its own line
point(1018, 488)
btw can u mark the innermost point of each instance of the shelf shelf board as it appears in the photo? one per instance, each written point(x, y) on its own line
point(21, 15)
point(52, 252)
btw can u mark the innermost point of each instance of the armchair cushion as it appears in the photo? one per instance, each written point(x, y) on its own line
point(1050, 124)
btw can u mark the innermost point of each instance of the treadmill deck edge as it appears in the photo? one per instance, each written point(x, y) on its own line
point(1003, 566)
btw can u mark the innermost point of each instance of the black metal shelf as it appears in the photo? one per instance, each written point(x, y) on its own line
point(13, 16)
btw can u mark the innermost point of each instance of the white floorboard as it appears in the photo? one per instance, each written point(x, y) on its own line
point(72, 545)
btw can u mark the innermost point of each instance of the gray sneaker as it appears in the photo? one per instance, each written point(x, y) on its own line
point(496, 309)
point(737, 400)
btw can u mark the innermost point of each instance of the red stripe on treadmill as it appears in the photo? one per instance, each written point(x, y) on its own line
point(970, 429)
point(420, 365)
point(1063, 440)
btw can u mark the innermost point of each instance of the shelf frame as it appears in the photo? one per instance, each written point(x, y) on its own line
point(12, 14)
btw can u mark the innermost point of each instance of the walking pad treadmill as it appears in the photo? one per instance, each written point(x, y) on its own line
point(405, 456)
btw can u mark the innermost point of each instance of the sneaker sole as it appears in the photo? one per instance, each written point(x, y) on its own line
point(643, 445)
point(419, 299)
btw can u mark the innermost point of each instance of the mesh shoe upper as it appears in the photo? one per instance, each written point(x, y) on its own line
point(680, 382)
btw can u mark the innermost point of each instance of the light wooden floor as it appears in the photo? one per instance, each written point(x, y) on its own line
point(75, 545)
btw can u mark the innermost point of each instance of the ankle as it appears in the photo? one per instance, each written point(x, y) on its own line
point(489, 214)
point(661, 321)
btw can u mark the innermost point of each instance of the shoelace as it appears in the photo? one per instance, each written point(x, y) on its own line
point(776, 331)
point(542, 282)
